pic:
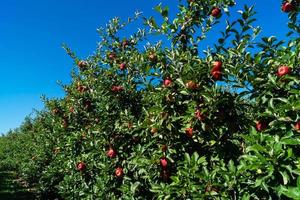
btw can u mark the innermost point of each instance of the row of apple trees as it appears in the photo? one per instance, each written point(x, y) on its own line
point(155, 116)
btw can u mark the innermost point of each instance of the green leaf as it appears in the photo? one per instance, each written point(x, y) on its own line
point(285, 177)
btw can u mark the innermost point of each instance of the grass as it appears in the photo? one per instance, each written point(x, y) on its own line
point(10, 188)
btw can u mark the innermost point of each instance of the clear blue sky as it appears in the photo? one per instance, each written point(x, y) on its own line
point(32, 31)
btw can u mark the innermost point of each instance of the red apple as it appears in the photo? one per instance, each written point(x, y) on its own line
point(153, 130)
point(119, 172)
point(167, 82)
point(164, 163)
point(111, 153)
point(217, 75)
point(55, 111)
point(217, 66)
point(216, 12)
point(82, 65)
point(164, 147)
point(287, 7)
point(122, 66)
point(283, 70)
point(71, 109)
point(189, 132)
point(152, 57)
point(81, 166)
point(297, 126)
point(260, 125)
point(125, 43)
point(117, 88)
point(191, 85)
point(80, 88)
point(65, 123)
point(199, 115)
point(112, 55)
point(216, 71)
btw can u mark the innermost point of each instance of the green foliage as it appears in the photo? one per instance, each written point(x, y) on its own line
point(162, 122)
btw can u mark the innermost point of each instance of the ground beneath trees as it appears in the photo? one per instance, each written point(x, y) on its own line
point(11, 188)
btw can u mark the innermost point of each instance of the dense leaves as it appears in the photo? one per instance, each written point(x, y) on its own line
point(164, 122)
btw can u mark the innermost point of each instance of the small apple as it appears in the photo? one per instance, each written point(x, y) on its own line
point(191, 85)
point(65, 123)
point(167, 82)
point(216, 12)
point(297, 126)
point(81, 166)
point(189, 132)
point(260, 125)
point(164, 163)
point(129, 125)
point(117, 88)
point(217, 75)
point(217, 66)
point(55, 111)
point(71, 109)
point(153, 130)
point(287, 7)
point(80, 88)
point(122, 66)
point(111, 153)
point(283, 70)
point(152, 57)
point(164, 147)
point(119, 172)
point(125, 43)
point(82, 65)
point(199, 115)
point(112, 55)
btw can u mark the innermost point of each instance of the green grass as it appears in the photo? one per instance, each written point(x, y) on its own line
point(10, 189)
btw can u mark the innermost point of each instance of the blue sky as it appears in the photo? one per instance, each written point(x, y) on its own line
point(32, 32)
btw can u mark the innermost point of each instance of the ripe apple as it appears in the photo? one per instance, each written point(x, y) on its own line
point(111, 153)
point(153, 130)
point(216, 71)
point(119, 172)
point(199, 115)
point(82, 65)
point(167, 82)
point(189, 132)
point(216, 12)
point(217, 66)
point(191, 85)
point(125, 43)
point(297, 126)
point(129, 125)
point(283, 70)
point(55, 111)
point(81, 166)
point(261, 125)
point(65, 123)
point(112, 55)
point(152, 57)
point(80, 88)
point(287, 7)
point(164, 147)
point(71, 109)
point(122, 66)
point(117, 88)
point(217, 75)
point(164, 163)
